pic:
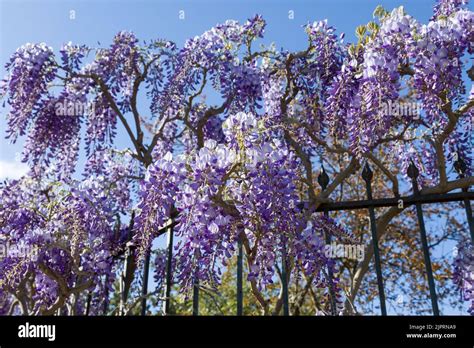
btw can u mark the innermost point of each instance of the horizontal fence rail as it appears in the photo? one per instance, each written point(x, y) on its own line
point(393, 202)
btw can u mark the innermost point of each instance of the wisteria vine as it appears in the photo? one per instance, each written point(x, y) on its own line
point(241, 171)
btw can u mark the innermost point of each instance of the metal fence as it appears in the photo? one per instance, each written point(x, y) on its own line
point(417, 199)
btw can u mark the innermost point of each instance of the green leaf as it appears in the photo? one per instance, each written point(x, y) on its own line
point(380, 12)
point(373, 27)
point(360, 31)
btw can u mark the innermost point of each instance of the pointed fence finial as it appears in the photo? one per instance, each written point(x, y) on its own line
point(460, 166)
point(367, 173)
point(413, 171)
point(323, 178)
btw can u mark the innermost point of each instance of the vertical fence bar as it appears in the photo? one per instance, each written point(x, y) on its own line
point(467, 206)
point(240, 304)
point(123, 279)
point(323, 180)
point(146, 272)
point(461, 167)
point(284, 278)
point(196, 283)
point(88, 303)
point(128, 268)
point(413, 174)
point(169, 274)
point(367, 175)
point(106, 296)
point(196, 296)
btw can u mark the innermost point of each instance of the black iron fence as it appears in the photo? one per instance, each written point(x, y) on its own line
point(417, 199)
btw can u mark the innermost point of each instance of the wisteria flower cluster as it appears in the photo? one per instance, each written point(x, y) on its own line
point(463, 274)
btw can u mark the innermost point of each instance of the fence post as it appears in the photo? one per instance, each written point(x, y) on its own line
point(106, 295)
point(413, 174)
point(88, 303)
point(196, 296)
point(367, 175)
point(146, 272)
point(284, 278)
point(461, 167)
point(239, 276)
point(128, 269)
point(169, 270)
point(197, 254)
point(323, 180)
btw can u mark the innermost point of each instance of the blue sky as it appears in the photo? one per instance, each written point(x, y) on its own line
point(98, 21)
point(49, 21)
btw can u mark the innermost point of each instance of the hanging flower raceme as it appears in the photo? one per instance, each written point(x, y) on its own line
point(157, 196)
point(441, 47)
point(160, 268)
point(264, 193)
point(30, 69)
point(328, 51)
point(244, 82)
point(315, 261)
point(342, 104)
point(463, 274)
point(205, 226)
point(268, 204)
point(54, 139)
